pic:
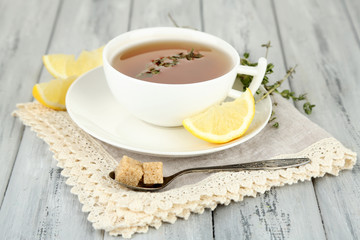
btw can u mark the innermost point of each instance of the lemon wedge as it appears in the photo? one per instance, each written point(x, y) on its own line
point(52, 94)
point(65, 69)
point(85, 62)
point(224, 122)
point(55, 64)
point(65, 65)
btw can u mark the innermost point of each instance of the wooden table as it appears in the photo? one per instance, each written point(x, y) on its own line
point(321, 36)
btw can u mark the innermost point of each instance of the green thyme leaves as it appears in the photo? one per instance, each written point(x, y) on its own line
point(271, 88)
point(155, 66)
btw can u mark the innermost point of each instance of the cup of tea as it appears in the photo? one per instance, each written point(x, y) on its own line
point(163, 75)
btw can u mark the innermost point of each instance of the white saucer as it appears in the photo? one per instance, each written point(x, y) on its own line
point(92, 107)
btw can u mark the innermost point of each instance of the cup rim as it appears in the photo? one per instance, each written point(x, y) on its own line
point(106, 61)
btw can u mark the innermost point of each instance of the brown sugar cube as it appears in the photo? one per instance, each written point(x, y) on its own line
point(129, 171)
point(153, 172)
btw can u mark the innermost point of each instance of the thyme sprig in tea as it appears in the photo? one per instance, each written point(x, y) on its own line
point(155, 66)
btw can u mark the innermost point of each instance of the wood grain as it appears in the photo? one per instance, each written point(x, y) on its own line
point(47, 209)
point(281, 213)
point(21, 45)
point(252, 26)
point(352, 10)
point(155, 13)
point(329, 73)
point(38, 204)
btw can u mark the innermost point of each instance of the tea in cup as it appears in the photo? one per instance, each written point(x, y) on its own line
point(164, 75)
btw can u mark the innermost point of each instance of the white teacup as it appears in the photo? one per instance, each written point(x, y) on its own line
point(169, 104)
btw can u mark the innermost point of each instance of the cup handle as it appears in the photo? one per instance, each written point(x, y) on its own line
point(258, 72)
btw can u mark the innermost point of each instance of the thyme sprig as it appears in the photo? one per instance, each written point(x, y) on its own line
point(177, 25)
point(267, 46)
point(270, 88)
point(273, 88)
point(286, 93)
point(170, 61)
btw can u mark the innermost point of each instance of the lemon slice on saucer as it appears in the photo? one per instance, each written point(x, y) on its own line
point(52, 94)
point(224, 122)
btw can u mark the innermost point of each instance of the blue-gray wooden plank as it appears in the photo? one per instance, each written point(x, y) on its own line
point(320, 37)
point(38, 204)
point(26, 29)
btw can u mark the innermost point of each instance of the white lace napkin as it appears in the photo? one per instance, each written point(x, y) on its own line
point(86, 163)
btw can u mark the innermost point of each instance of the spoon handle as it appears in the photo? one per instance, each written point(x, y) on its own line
point(259, 165)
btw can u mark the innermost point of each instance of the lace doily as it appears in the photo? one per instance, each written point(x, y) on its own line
point(120, 211)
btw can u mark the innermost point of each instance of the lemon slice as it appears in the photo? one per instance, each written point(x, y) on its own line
point(52, 94)
point(64, 65)
point(55, 64)
point(86, 61)
point(224, 122)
